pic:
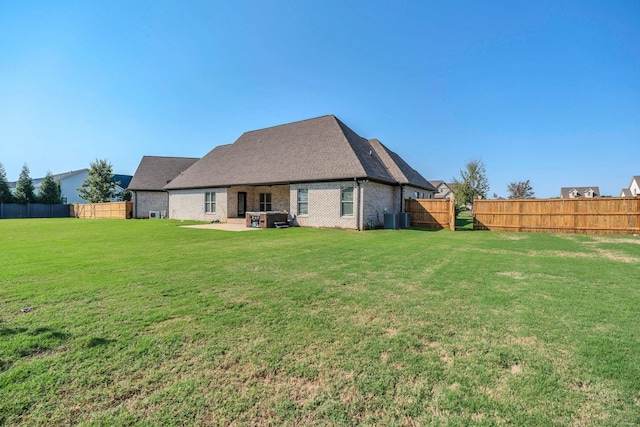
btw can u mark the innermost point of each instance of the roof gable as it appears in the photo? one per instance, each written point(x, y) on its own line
point(65, 175)
point(155, 172)
point(320, 149)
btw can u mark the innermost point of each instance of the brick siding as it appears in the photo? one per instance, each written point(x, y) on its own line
point(378, 199)
point(371, 201)
point(279, 198)
point(145, 201)
point(189, 204)
point(324, 205)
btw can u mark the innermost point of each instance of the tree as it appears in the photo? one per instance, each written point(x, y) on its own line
point(50, 192)
point(24, 188)
point(473, 183)
point(97, 187)
point(520, 190)
point(5, 191)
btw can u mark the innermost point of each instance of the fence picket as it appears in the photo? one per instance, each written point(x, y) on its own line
point(117, 210)
point(431, 213)
point(602, 215)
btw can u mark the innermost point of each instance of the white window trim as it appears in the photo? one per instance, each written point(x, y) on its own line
point(298, 202)
point(342, 202)
point(210, 204)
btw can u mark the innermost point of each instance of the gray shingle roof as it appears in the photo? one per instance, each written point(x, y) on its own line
point(313, 150)
point(155, 172)
point(400, 170)
point(123, 180)
point(564, 191)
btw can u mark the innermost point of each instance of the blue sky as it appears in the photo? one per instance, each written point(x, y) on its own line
point(543, 90)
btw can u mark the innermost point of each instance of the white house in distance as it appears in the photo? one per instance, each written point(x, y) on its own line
point(72, 180)
point(318, 170)
point(634, 188)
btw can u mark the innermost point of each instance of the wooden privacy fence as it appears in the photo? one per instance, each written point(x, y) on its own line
point(431, 213)
point(601, 215)
point(118, 210)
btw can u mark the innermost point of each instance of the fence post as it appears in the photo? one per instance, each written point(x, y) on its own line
point(452, 214)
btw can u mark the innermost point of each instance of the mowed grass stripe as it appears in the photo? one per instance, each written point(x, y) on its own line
point(145, 322)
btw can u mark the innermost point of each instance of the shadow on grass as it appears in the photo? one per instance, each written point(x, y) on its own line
point(425, 229)
point(4, 365)
point(24, 342)
point(4, 332)
point(98, 341)
point(464, 221)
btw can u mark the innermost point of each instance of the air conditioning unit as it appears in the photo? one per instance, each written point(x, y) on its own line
point(154, 214)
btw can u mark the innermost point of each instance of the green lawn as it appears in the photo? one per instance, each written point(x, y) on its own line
point(464, 221)
point(147, 323)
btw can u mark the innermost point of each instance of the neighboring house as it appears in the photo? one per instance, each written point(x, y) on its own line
point(443, 190)
point(122, 184)
point(152, 175)
point(69, 183)
point(318, 170)
point(576, 192)
point(634, 188)
point(72, 180)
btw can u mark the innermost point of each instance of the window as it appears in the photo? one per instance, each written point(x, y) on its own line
point(346, 201)
point(303, 201)
point(265, 202)
point(210, 201)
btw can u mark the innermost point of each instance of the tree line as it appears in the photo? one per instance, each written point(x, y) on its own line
point(98, 187)
point(473, 184)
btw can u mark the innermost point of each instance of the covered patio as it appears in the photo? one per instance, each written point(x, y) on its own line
point(259, 198)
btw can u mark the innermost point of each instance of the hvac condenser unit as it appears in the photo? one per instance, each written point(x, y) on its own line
point(154, 214)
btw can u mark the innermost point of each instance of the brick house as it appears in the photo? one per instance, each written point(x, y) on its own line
point(146, 186)
point(318, 170)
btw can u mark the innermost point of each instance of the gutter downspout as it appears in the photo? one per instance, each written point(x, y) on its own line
point(135, 205)
point(359, 213)
point(401, 198)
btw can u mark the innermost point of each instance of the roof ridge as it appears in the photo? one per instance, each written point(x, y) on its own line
point(287, 124)
point(344, 130)
point(401, 171)
point(169, 157)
